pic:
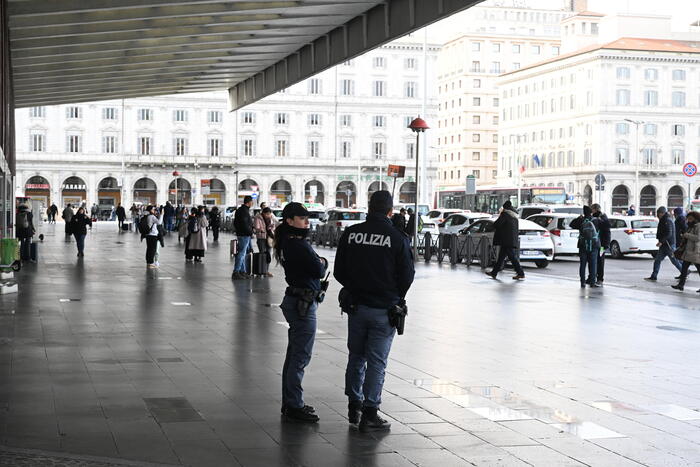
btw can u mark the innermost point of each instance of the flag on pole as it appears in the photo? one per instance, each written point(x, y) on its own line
point(536, 158)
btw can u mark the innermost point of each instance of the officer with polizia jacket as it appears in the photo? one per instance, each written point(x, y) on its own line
point(375, 267)
point(304, 271)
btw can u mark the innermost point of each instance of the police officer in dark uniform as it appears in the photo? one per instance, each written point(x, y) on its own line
point(375, 267)
point(303, 270)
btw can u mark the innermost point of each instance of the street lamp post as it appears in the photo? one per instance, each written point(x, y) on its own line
point(637, 199)
point(418, 126)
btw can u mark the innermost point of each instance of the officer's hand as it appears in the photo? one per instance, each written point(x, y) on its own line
point(324, 261)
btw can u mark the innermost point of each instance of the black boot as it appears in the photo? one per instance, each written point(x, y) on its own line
point(354, 411)
point(371, 421)
point(307, 408)
point(300, 415)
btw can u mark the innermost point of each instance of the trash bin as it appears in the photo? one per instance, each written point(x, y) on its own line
point(9, 253)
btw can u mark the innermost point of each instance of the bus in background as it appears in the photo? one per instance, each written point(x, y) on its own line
point(490, 198)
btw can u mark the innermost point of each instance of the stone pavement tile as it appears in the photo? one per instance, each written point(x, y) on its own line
point(464, 440)
point(96, 444)
point(245, 436)
point(542, 456)
point(505, 437)
point(588, 453)
point(382, 459)
point(433, 457)
point(146, 450)
point(286, 433)
point(188, 431)
point(416, 441)
point(204, 453)
point(642, 452)
point(437, 429)
point(535, 429)
point(415, 417)
point(316, 455)
point(478, 425)
point(32, 442)
point(275, 456)
point(353, 442)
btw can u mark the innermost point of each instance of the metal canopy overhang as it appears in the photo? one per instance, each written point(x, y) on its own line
point(67, 51)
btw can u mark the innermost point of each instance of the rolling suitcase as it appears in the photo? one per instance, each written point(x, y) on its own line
point(33, 252)
point(234, 247)
point(259, 264)
point(125, 226)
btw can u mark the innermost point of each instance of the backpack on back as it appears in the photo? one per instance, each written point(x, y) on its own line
point(589, 234)
point(193, 225)
point(22, 220)
point(144, 228)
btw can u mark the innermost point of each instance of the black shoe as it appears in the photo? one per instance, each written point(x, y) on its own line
point(678, 277)
point(593, 285)
point(599, 283)
point(583, 285)
point(307, 408)
point(518, 277)
point(650, 279)
point(354, 411)
point(300, 415)
point(491, 274)
point(371, 421)
point(677, 287)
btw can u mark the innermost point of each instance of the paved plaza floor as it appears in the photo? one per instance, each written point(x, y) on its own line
point(104, 362)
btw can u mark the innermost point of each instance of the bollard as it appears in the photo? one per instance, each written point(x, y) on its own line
point(454, 249)
point(484, 253)
point(427, 247)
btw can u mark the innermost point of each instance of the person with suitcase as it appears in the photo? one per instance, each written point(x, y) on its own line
point(24, 231)
point(262, 259)
point(121, 216)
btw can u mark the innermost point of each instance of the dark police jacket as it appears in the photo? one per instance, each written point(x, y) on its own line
point(302, 266)
point(242, 221)
point(666, 231)
point(374, 262)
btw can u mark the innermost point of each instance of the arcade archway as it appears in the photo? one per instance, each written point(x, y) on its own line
point(73, 191)
point(345, 195)
point(145, 191)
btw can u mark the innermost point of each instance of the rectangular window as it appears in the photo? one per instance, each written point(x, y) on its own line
point(476, 173)
point(516, 65)
point(651, 98)
point(379, 62)
point(678, 130)
point(347, 87)
point(75, 143)
point(314, 86)
point(180, 115)
point(650, 129)
point(109, 113)
point(408, 119)
point(476, 83)
point(248, 118)
point(281, 148)
point(144, 115)
point(494, 156)
point(476, 101)
point(378, 149)
point(621, 155)
point(410, 64)
point(214, 116)
point(37, 112)
point(410, 89)
point(677, 156)
point(622, 97)
point(476, 119)
point(678, 75)
point(144, 145)
point(37, 142)
point(379, 121)
point(555, 50)
point(214, 147)
point(476, 156)
point(648, 156)
point(314, 119)
point(248, 147)
point(109, 144)
point(346, 149)
point(346, 120)
point(476, 66)
point(495, 67)
point(516, 48)
point(379, 88)
point(536, 49)
point(281, 118)
point(623, 72)
point(476, 138)
point(496, 101)
point(495, 138)
point(476, 46)
point(678, 99)
point(180, 146)
point(651, 74)
point(314, 147)
point(622, 128)
point(74, 112)
point(410, 150)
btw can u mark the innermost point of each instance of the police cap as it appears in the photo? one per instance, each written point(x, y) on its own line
point(294, 210)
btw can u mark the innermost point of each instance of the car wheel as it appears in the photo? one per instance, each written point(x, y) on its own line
point(541, 263)
point(615, 251)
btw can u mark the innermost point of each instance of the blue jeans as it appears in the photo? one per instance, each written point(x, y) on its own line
point(80, 240)
point(664, 251)
point(589, 258)
point(243, 246)
point(300, 344)
point(169, 224)
point(369, 341)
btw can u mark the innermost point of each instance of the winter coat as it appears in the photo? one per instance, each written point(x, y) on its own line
point(242, 222)
point(67, 214)
point(691, 252)
point(198, 240)
point(506, 232)
point(603, 227)
point(79, 223)
point(399, 222)
point(121, 213)
point(681, 226)
point(259, 227)
point(215, 219)
point(666, 231)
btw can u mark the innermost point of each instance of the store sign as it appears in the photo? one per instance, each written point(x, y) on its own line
point(73, 187)
point(36, 186)
point(206, 186)
point(313, 191)
point(396, 171)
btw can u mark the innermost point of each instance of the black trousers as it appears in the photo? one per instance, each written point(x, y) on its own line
point(685, 270)
point(215, 231)
point(600, 271)
point(263, 248)
point(511, 253)
point(151, 245)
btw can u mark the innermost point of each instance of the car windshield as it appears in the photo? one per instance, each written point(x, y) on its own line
point(527, 212)
point(434, 214)
point(645, 224)
point(351, 216)
point(315, 215)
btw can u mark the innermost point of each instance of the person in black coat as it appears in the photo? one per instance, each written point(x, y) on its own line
point(24, 230)
point(121, 215)
point(215, 222)
point(666, 241)
point(680, 223)
point(78, 227)
point(506, 235)
point(605, 237)
point(588, 246)
point(399, 221)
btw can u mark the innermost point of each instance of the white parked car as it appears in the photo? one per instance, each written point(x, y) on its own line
point(535, 241)
point(458, 221)
point(527, 210)
point(438, 216)
point(632, 234)
point(564, 238)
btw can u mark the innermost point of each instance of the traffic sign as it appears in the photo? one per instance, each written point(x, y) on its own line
point(690, 170)
point(254, 195)
point(600, 179)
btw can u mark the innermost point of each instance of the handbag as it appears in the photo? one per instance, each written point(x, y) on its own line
point(680, 251)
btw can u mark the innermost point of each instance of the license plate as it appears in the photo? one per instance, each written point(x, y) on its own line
point(529, 252)
point(573, 235)
point(648, 235)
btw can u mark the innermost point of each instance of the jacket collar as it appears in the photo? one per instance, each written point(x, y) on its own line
point(376, 217)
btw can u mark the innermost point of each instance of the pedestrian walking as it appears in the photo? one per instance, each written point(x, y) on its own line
point(24, 231)
point(148, 228)
point(588, 246)
point(263, 234)
point(121, 216)
point(398, 220)
point(54, 213)
point(666, 242)
point(168, 216)
point(215, 222)
point(689, 249)
point(303, 270)
point(605, 238)
point(243, 224)
point(375, 267)
point(67, 215)
point(680, 223)
point(78, 227)
point(506, 236)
